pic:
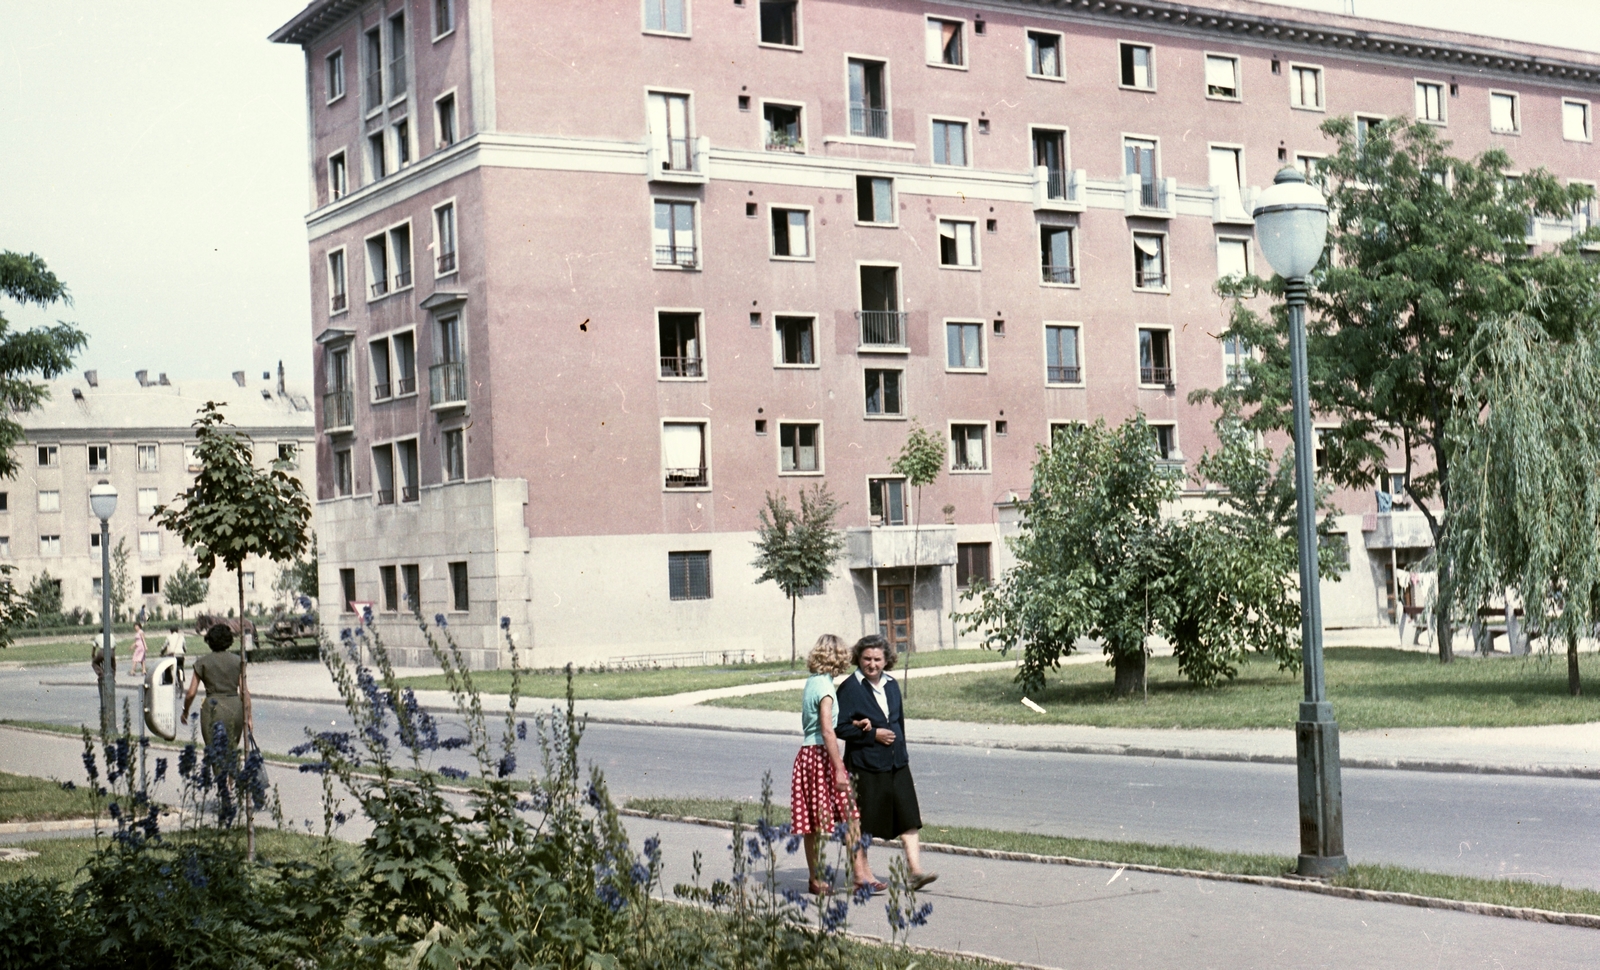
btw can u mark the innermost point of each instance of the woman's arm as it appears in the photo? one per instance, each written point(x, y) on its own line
point(830, 741)
point(188, 698)
point(845, 727)
point(244, 700)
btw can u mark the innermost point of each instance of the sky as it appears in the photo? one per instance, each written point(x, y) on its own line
point(155, 155)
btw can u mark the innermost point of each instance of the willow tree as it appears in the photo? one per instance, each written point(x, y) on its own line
point(1525, 485)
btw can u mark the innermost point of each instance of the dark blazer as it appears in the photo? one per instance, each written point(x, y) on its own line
point(861, 751)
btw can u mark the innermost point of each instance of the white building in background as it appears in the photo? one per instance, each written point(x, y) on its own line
point(138, 435)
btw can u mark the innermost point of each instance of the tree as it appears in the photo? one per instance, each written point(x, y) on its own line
point(921, 459)
point(43, 598)
point(185, 588)
point(299, 578)
point(797, 550)
point(235, 510)
point(121, 581)
point(43, 351)
point(1425, 251)
point(15, 609)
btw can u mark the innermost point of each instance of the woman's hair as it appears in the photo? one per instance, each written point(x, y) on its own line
point(829, 656)
point(873, 642)
point(219, 637)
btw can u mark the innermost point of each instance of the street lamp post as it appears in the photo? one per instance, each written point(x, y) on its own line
point(103, 500)
point(1291, 228)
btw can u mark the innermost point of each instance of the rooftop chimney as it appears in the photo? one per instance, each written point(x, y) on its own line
point(280, 378)
point(162, 380)
point(238, 377)
point(92, 378)
point(77, 393)
point(143, 377)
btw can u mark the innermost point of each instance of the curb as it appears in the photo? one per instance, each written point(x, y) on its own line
point(52, 825)
point(1526, 913)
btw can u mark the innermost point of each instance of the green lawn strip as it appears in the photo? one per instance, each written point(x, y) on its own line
point(1370, 688)
point(60, 859)
point(601, 684)
point(1381, 878)
point(73, 651)
point(25, 799)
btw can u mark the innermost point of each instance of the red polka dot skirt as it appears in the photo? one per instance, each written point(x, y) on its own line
point(816, 805)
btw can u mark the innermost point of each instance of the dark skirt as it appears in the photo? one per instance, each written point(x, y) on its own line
point(888, 802)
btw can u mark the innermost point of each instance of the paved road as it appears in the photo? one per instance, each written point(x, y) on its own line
point(1483, 825)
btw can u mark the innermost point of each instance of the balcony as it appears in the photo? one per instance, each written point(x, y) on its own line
point(1058, 189)
point(447, 384)
point(447, 264)
point(1063, 374)
point(1150, 200)
point(683, 257)
point(1156, 375)
point(408, 493)
point(380, 287)
point(1065, 275)
point(340, 303)
point(882, 328)
point(679, 160)
point(682, 367)
point(894, 546)
point(687, 478)
point(1151, 280)
point(338, 411)
point(867, 122)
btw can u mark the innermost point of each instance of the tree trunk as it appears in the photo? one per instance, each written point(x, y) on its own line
point(794, 650)
point(1442, 628)
point(1130, 672)
point(1574, 687)
point(244, 737)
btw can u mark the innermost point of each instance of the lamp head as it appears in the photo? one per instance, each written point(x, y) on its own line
point(1291, 224)
point(103, 499)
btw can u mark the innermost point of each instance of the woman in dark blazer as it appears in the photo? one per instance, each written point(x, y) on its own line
point(872, 725)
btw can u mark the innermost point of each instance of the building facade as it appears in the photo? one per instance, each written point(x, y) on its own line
point(136, 434)
point(590, 279)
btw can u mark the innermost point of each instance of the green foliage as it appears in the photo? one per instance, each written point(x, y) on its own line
point(921, 458)
point(299, 578)
point(43, 598)
point(39, 929)
point(121, 580)
point(43, 351)
point(15, 608)
point(797, 550)
point(185, 588)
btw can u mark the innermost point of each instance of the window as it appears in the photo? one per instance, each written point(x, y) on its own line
point(406, 456)
point(444, 115)
point(383, 473)
point(1165, 437)
point(1305, 87)
point(402, 143)
point(1233, 257)
point(94, 543)
point(50, 501)
point(669, 131)
point(99, 458)
point(1138, 67)
point(289, 453)
point(674, 234)
point(780, 23)
point(1227, 179)
point(444, 21)
point(448, 345)
point(455, 455)
point(1056, 255)
point(347, 586)
point(338, 297)
point(797, 341)
point(49, 456)
point(397, 55)
point(5, 553)
point(1139, 158)
point(1222, 77)
point(680, 345)
point(1575, 121)
point(963, 346)
point(967, 448)
point(390, 582)
point(780, 125)
point(799, 447)
point(874, 199)
point(666, 16)
point(405, 363)
point(411, 583)
point(191, 458)
point(949, 143)
point(1044, 54)
point(5, 498)
point(373, 49)
point(791, 233)
point(1050, 154)
point(1309, 166)
point(149, 498)
point(149, 457)
point(882, 322)
point(334, 74)
point(1430, 101)
point(944, 45)
point(683, 453)
point(1234, 354)
point(869, 109)
point(338, 177)
point(1155, 357)
point(444, 239)
point(886, 501)
point(149, 545)
point(400, 255)
point(1061, 355)
point(883, 392)
point(1366, 127)
point(382, 381)
point(50, 545)
point(1503, 112)
point(956, 245)
point(972, 563)
point(151, 585)
point(377, 158)
point(1149, 261)
point(689, 575)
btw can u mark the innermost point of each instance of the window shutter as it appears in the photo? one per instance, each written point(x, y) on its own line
point(797, 234)
point(682, 445)
point(964, 244)
point(1220, 73)
point(1149, 245)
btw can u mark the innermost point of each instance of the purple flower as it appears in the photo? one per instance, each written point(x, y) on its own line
point(438, 618)
point(161, 769)
point(507, 766)
point(366, 614)
point(455, 773)
point(505, 623)
point(522, 730)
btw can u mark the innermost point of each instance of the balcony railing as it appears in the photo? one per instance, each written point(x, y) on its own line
point(385, 496)
point(402, 279)
point(447, 382)
point(1064, 374)
point(380, 287)
point(687, 477)
point(405, 385)
point(447, 263)
point(882, 328)
point(1055, 184)
point(1152, 195)
point(869, 122)
point(340, 301)
point(682, 367)
point(968, 465)
point(1155, 375)
point(338, 410)
point(679, 158)
point(408, 493)
point(1152, 279)
point(380, 392)
point(1060, 274)
point(684, 256)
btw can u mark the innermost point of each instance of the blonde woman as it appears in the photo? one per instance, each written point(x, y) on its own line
point(820, 795)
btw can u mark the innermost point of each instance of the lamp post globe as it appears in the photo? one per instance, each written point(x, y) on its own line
point(103, 502)
point(1291, 224)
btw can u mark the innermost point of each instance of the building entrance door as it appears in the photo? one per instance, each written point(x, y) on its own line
point(894, 616)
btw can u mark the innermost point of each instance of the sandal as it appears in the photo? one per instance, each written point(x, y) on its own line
point(873, 888)
point(819, 888)
point(922, 879)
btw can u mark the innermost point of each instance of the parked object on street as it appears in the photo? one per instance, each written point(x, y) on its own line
point(161, 684)
point(820, 791)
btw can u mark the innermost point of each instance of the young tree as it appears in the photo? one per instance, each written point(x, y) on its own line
point(1424, 251)
point(121, 581)
point(921, 459)
point(185, 588)
point(43, 598)
point(299, 578)
point(797, 550)
point(15, 609)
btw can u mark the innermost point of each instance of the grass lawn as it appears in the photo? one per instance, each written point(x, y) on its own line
point(1502, 892)
point(75, 650)
point(623, 684)
point(25, 799)
point(1369, 687)
point(60, 859)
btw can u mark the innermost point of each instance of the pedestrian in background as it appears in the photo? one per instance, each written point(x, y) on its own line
point(227, 698)
point(173, 646)
point(876, 755)
point(139, 648)
point(820, 795)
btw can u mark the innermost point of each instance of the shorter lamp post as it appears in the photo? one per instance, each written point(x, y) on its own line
point(103, 500)
point(1291, 229)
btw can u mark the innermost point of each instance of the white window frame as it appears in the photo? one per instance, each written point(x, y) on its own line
point(700, 336)
point(811, 233)
point(688, 22)
point(799, 30)
point(966, 40)
point(988, 448)
point(382, 136)
point(455, 119)
point(138, 462)
point(894, 201)
point(888, 100)
point(1321, 107)
point(156, 541)
point(344, 262)
point(1177, 448)
point(1222, 347)
point(699, 242)
point(433, 247)
point(372, 383)
point(1152, 67)
point(1238, 149)
point(328, 75)
point(154, 494)
point(1166, 260)
point(56, 501)
point(1238, 76)
point(1516, 111)
point(334, 191)
point(1075, 235)
point(1172, 353)
point(777, 437)
point(705, 450)
point(394, 360)
point(983, 346)
point(777, 340)
point(977, 257)
point(805, 120)
point(450, 5)
point(1061, 55)
point(54, 453)
point(411, 257)
point(1044, 349)
point(1314, 157)
point(53, 549)
point(1588, 120)
point(1417, 85)
point(966, 139)
point(1249, 256)
point(904, 414)
point(404, 142)
point(444, 456)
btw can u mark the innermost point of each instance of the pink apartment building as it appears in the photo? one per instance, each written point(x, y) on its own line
point(590, 278)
